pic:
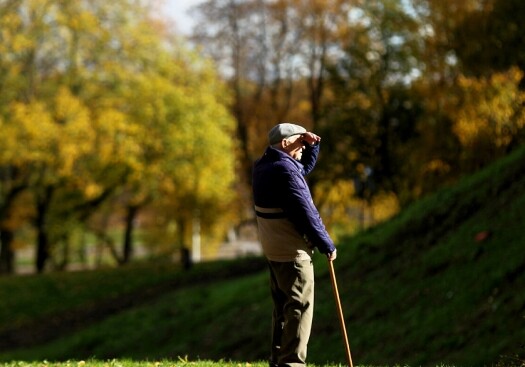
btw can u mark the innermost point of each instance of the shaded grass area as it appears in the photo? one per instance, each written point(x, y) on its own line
point(61, 291)
point(37, 309)
point(422, 289)
point(200, 321)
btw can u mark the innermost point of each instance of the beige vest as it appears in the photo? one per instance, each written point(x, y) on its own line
point(279, 239)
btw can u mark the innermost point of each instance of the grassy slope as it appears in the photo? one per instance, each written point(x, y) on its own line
point(418, 290)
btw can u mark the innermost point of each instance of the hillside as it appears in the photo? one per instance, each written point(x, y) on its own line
point(442, 283)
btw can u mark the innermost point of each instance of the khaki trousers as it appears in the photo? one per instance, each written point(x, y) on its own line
point(292, 288)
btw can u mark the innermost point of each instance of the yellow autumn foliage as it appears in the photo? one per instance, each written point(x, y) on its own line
point(97, 100)
point(490, 108)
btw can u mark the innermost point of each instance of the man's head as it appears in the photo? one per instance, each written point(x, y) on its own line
point(288, 138)
point(284, 131)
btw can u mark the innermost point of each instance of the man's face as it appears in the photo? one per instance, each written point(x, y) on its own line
point(295, 146)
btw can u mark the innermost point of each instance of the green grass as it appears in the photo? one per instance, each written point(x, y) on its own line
point(179, 362)
point(418, 290)
point(26, 299)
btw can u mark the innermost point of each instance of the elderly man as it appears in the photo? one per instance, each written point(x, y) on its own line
point(289, 229)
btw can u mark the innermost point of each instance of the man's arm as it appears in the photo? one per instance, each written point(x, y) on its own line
point(304, 215)
point(311, 143)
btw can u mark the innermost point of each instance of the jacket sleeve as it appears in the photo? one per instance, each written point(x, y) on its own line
point(309, 158)
point(301, 211)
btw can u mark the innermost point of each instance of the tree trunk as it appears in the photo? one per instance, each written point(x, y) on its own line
point(7, 254)
point(186, 255)
point(42, 249)
point(42, 244)
point(128, 233)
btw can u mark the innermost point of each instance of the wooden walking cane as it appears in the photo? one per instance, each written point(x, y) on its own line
point(340, 311)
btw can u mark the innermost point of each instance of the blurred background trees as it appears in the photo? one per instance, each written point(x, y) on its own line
point(113, 128)
point(105, 116)
point(394, 87)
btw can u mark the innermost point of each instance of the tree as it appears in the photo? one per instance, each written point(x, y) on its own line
point(490, 37)
point(452, 33)
point(99, 95)
point(488, 117)
point(388, 84)
point(370, 113)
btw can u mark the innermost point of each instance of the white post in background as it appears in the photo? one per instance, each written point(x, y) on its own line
point(196, 239)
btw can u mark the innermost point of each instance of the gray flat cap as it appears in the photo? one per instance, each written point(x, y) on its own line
point(283, 131)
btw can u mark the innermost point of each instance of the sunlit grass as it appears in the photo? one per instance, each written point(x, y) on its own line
point(179, 362)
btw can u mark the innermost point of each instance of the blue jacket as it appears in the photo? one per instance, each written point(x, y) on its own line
point(281, 195)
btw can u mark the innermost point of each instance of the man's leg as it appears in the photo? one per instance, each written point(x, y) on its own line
point(295, 280)
point(279, 299)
